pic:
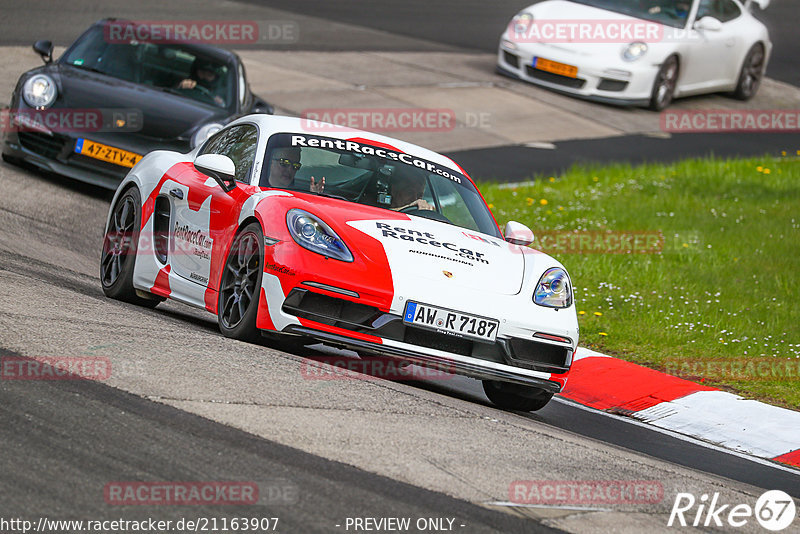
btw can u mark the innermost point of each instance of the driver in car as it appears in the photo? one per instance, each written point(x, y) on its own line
point(407, 186)
point(204, 77)
point(283, 164)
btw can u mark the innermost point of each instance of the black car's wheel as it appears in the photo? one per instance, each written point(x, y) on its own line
point(664, 86)
point(118, 257)
point(751, 73)
point(240, 286)
point(516, 397)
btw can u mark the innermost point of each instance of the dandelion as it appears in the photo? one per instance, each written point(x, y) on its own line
point(760, 168)
point(602, 333)
point(686, 245)
point(543, 202)
point(552, 179)
point(596, 179)
point(530, 201)
point(598, 313)
point(766, 171)
point(491, 206)
point(581, 312)
point(561, 208)
point(783, 152)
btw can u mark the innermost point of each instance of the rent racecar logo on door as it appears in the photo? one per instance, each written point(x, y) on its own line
point(774, 510)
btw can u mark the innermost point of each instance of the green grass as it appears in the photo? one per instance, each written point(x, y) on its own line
point(720, 302)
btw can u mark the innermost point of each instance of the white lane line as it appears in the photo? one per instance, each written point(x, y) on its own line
point(680, 436)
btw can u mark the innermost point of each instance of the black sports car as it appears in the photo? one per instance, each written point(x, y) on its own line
point(93, 113)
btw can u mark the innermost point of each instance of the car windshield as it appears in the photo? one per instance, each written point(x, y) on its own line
point(667, 12)
point(375, 175)
point(172, 68)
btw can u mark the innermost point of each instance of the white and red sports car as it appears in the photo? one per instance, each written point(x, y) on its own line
point(288, 228)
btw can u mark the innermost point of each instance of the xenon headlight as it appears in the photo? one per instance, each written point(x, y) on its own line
point(634, 51)
point(204, 132)
point(39, 91)
point(312, 233)
point(554, 289)
point(521, 23)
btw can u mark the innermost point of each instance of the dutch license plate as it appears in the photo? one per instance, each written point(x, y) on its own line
point(555, 67)
point(450, 321)
point(107, 153)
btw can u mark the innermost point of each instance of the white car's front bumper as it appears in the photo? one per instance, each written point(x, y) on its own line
point(615, 82)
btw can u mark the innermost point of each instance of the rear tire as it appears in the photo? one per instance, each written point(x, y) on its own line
point(240, 285)
point(664, 86)
point(516, 397)
point(118, 257)
point(751, 73)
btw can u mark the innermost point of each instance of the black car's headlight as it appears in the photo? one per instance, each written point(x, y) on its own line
point(312, 233)
point(39, 91)
point(204, 132)
point(554, 289)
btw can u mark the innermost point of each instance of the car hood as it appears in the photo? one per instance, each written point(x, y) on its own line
point(164, 115)
point(421, 248)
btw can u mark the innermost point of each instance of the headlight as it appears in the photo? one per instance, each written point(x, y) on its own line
point(634, 51)
point(554, 289)
point(521, 23)
point(39, 91)
point(204, 132)
point(311, 233)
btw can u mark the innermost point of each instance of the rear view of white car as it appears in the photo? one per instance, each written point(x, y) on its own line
point(636, 52)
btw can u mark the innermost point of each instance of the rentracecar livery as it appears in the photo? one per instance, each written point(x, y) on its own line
point(307, 232)
point(638, 53)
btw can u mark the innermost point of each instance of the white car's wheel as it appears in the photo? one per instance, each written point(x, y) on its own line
point(664, 86)
point(118, 257)
point(751, 73)
point(516, 397)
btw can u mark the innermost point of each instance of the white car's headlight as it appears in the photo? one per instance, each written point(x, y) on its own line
point(521, 23)
point(554, 289)
point(312, 233)
point(204, 132)
point(634, 51)
point(39, 91)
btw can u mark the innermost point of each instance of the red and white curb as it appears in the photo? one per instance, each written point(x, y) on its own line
point(674, 404)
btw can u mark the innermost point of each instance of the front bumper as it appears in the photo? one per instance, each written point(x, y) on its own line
point(622, 83)
point(55, 152)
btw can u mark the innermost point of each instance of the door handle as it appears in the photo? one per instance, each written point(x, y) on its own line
point(177, 193)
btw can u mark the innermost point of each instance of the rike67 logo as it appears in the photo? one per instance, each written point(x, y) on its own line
point(774, 510)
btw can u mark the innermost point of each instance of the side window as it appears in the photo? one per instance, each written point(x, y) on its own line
point(722, 10)
point(239, 144)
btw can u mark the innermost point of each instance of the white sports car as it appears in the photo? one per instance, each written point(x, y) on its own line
point(282, 227)
point(638, 52)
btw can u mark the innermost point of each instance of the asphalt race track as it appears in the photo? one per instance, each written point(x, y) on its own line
point(182, 403)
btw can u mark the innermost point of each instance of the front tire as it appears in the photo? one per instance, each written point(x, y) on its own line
point(751, 73)
point(516, 397)
point(664, 86)
point(118, 257)
point(240, 286)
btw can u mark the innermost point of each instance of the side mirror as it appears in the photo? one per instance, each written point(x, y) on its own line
point(44, 49)
point(218, 167)
point(762, 4)
point(518, 234)
point(260, 106)
point(709, 24)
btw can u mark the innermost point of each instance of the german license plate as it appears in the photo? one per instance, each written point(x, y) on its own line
point(450, 322)
point(555, 67)
point(107, 153)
